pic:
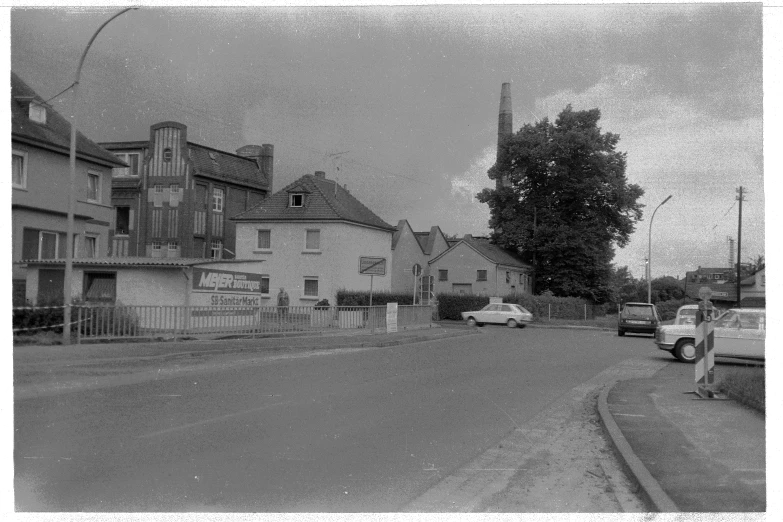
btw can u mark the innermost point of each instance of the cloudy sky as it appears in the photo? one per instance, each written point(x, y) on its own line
point(401, 103)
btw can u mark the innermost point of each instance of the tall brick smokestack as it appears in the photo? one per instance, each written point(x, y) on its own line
point(505, 126)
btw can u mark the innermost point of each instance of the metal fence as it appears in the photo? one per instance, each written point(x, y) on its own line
point(117, 322)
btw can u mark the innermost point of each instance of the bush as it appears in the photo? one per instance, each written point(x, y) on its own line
point(746, 385)
point(543, 307)
point(361, 298)
point(667, 310)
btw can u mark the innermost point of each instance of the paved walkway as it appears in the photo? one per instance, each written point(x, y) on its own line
point(688, 454)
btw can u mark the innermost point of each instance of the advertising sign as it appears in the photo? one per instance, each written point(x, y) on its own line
point(223, 288)
point(391, 317)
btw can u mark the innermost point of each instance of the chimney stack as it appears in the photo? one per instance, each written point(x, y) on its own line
point(264, 157)
point(320, 174)
point(505, 127)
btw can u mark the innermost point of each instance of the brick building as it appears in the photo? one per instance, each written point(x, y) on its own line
point(175, 197)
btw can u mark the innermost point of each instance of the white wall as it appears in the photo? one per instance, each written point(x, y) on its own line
point(336, 264)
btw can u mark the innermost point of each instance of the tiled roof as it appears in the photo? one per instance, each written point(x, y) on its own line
point(133, 261)
point(55, 133)
point(326, 201)
point(215, 163)
point(489, 250)
point(495, 253)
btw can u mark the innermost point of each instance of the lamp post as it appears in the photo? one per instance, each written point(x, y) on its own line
point(649, 252)
point(72, 189)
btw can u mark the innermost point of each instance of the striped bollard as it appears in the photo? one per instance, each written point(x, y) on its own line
point(705, 343)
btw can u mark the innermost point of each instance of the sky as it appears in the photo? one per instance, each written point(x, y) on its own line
point(400, 103)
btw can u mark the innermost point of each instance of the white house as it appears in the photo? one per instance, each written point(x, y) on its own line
point(312, 236)
point(414, 249)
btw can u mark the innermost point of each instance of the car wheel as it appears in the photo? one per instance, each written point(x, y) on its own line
point(511, 323)
point(685, 351)
point(620, 332)
point(472, 322)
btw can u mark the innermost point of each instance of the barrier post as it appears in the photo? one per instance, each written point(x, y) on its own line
point(705, 344)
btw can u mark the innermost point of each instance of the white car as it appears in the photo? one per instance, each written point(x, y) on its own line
point(510, 314)
point(738, 332)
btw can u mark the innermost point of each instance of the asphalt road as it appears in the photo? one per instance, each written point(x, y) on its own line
point(364, 430)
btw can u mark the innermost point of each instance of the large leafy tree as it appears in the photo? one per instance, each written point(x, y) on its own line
point(564, 202)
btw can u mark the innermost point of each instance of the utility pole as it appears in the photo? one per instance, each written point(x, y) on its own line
point(739, 245)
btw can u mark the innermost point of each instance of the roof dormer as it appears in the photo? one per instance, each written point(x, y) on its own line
point(36, 109)
point(297, 196)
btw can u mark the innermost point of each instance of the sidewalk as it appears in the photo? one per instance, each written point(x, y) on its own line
point(687, 454)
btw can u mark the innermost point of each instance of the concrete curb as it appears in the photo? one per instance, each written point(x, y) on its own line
point(654, 495)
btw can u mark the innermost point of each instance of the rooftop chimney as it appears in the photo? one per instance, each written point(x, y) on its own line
point(264, 156)
point(320, 174)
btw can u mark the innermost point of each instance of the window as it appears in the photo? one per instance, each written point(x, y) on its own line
point(37, 112)
point(156, 246)
point(521, 279)
point(49, 245)
point(443, 275)
point(100, 287)
point(158, 189)
point(508, 277)
point(19, 167)
point(264, 239)
point(167, 155)
point(122, 220)
point(217, 249)
point(296, 200)
point(265, 284)
point(133, 160)
point(481, 275)
point(313, 240)
point(93, 187)
point(90, 246)
point(43, 244)
point(217, 199)
point(311, 287)
point(173, 246)
point(174, 193)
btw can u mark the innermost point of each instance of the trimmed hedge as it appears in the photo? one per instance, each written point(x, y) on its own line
point(543, 307)
point(362, 298)
point(667, 310)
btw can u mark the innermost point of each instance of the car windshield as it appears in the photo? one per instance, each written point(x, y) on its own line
point(686, 316)
point(742, 320)
point(638, 311)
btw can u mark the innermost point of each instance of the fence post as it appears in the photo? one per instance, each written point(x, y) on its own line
point(78, 325)
point(585, 311)
point(550, 311)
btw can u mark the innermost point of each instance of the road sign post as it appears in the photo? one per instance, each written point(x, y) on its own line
point(372, 266)
point(705, 344)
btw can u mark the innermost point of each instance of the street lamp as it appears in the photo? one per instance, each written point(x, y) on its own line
point(72, 190)
point(649, 252)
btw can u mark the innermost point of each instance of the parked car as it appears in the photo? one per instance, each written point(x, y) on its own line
point(739, 332)
point(686, 314)
point(638, 318)
point(510, 314)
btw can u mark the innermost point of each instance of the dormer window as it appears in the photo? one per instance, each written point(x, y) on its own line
point(296, 200)
point(37, 112)
point(167, 155)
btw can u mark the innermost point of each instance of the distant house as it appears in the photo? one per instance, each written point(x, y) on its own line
point(40, 149)
point(311, 236)
point(411, 252)
point(473, 265)
point(753, 290)
point(174, 197)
